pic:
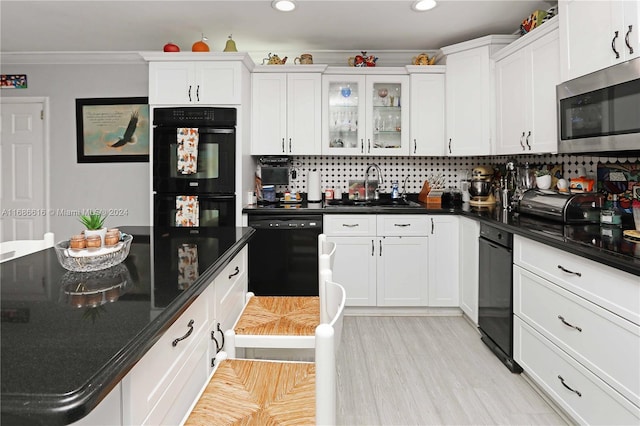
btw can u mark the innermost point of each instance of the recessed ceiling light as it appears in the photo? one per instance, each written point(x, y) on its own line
point(283, 5)
point(422, 5)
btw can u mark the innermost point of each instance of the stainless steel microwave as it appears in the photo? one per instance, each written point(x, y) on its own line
point(600, 112)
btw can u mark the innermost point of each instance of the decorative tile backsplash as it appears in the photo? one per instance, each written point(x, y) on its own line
point(336, 171)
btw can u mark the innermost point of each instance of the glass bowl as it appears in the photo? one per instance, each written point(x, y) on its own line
point(87, 260)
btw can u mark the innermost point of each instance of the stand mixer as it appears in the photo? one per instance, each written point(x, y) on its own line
point(481, 187)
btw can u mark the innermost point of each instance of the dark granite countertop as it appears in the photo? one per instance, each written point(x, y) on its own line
point(605, 245)
point(60, 356)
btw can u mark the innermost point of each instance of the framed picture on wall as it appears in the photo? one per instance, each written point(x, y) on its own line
point(112, 130)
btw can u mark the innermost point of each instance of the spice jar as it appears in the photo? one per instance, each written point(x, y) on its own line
point(77, 242)
point(94, 241)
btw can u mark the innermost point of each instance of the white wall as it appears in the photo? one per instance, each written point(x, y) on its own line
point(89, 185)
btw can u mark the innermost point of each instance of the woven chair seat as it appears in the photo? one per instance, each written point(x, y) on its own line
point(246, 392)
point(280, 315)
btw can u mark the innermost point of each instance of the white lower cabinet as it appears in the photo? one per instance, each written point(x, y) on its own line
point(576, 332)
point(225, 300)
point(162, 386)
point(380, 259)
point(584, 396)
point(443, 261)
point(396, 259)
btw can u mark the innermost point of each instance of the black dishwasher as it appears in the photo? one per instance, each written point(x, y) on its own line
point(495, 293)
point(283, 255)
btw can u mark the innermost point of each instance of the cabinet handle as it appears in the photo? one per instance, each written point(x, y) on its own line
point(527, 140)
point(565, 385)
point(350, 225)
point(568, 271)
point(433, 225)
point(373, 248)
point(237, 271)
point(189, 93)
point(368, 146)
point(218, 347)
point(175, 342)
point(361, 146)
point(626, 39)
point(402, 224)
point(449, 145)
point(415, 146)
point(561, 318)
point(380, 241)
point(521, 144)
point(613, 45)
point(283, 145)
point(198, 93)
point(289, 144)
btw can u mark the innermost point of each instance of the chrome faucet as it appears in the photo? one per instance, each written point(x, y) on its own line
point(366, 179)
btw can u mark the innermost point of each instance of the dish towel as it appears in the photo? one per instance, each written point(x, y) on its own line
point(187, 265)
point(187, 150)
point(187, 211)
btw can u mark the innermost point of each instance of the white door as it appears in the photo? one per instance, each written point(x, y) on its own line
point(24, 178)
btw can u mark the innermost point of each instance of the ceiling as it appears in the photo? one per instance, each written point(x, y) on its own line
point(316, 25)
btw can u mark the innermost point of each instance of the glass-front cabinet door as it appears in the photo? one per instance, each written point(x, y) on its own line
point(343, 106)
point(364, 115)
point(387, 120)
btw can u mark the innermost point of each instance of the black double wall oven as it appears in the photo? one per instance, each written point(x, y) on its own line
point(194, 167)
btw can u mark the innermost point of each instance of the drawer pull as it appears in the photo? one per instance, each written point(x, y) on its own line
point(568, 271)
point(402, 225)
point(235, 273)
point(190, 325)
point(350, 225)
point(218, 347)
point(561, 318)
point(565, 385)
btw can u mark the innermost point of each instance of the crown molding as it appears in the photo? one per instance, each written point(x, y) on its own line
point(339, 58)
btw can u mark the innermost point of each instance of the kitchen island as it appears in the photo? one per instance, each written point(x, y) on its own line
point(63, 352)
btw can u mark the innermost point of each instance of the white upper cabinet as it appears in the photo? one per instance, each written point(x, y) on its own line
point(286, 113)
point(427, 122)
point(364, 114)
point(597, 34)
point(527, 72)
point(470, 95)
point(188, 83)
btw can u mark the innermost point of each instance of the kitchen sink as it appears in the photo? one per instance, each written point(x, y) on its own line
point(383, 202)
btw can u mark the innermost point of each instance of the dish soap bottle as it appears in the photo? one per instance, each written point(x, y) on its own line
point(395, 193)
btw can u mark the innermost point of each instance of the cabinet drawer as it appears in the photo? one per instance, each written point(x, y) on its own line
point(230, 291)
point(545, 363)
point(392, 225)
point(614, 290)
point(604, 343)
point(354, 225)
point(161, 374)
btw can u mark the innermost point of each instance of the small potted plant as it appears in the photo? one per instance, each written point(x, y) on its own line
point(94, 224)
point(543, 179)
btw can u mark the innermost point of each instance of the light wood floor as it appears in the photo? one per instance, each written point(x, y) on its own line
point(429, 371)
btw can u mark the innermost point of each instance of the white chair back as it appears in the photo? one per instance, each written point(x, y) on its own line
point(13, 249)
point(328, 248)
point(336, 297)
